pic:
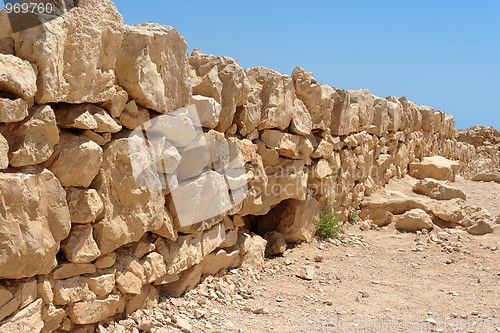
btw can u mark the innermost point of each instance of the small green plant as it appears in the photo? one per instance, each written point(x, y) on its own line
point(354, 216)
point(329, 225)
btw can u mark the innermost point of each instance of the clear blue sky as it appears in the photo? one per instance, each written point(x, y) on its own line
point(440, 53)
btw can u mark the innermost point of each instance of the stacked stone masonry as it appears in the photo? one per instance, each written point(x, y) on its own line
point(80, 241)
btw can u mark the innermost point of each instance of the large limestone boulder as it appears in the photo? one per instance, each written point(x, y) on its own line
point(492, 175)
point(319, 99)
point(34, 219)
point(89, 312)
point(414, 220)
point(221, 78)
point(438, 189)
point(436, 167)
point(17, 77)
point(157, 79)
point(32, 141)
point(129, 210)
point(380, 124)
point(86, 116)
point(80, 247)
point(6, 41)
point(85, 205)
point(76, 160)
point(58, 47)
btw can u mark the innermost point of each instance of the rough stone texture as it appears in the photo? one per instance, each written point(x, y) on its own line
point(158, 78)
point(80, 247)
point(85, 205)
point(34, 218)
point(208, 110)
point(17, 77)
point(32, 141)
point(276, 243)
point(436, 167)
point(221, 78)
point(129, 211)
point(414, 220)
point(27, 320)
point(492, 175)
point(58, 47)
point(90, 312)
point(437, 189)
point(13, 110)
point(319, 99)
point(76, 160)
point(133, 116)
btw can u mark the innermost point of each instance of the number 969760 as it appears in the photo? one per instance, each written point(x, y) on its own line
point(29, 8)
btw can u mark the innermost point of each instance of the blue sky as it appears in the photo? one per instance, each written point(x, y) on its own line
point(440, 53)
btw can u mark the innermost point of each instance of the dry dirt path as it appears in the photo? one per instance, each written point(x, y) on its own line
point(372, 281)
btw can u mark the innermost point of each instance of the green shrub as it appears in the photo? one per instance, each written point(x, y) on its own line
point(329, 225)
point(354, 216)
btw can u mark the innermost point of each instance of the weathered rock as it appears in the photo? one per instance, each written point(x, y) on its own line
point(208, 110)
point(71, 290)
point(295, 219)
point(4, 153)
point(436, 167)
point(437, 189)
point(134, 116)
point(287, 180)
point(52, 318)
point(220, 260)
point(17, 77)
point(276, 243)
point(492, 175)
point(27, 320)
point(90, 312)
point(157, 79)
point(188, 279)
point(32, 141)
point(189, 250)
point(128, 283)
point(414, 220)
point(116, 104)
point(101, 285)
point(34, 218)
point(58, 46)
point(221, 78)
point(481, 227)
point(13, 110)
point(85, 205)
point(252, 248)
point(66, 271)
point(76, 160)
point(306, 273)
point(129, 211)
point(380, 218)
point(200, 199)
point(380, 123)
point(25, 291)
point(8, 303)
point(319, 99)
point(80, 247)
point(6, 41)
point(154, 267)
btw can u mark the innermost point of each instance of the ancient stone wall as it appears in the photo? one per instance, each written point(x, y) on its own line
point(113, 191)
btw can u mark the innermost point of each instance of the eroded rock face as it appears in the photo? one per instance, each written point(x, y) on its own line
point(221, 78)
point(158, 78)
point(58, 46)
point(32, 141)
point(129, 211)
point(34, 218)
point(76, 160)
point(17, 77)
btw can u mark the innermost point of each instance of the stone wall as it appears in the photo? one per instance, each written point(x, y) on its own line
point(81, 240)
